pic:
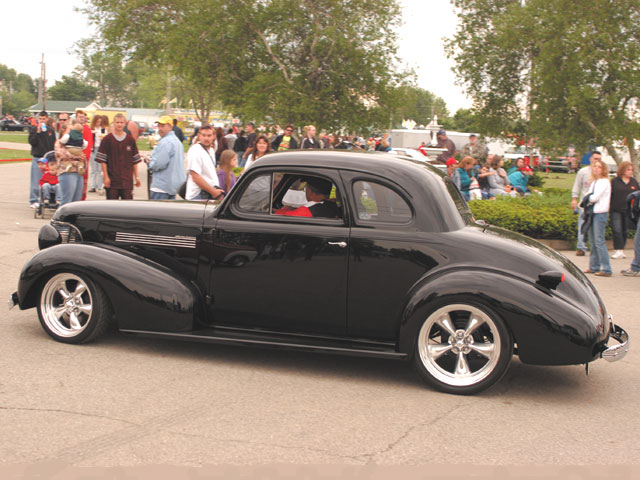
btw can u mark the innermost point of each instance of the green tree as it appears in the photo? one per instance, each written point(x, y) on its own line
point(329, 62)
point(17, 90)
point(71, 88)
point(464, 120)
point(17, 102)
point(572, 76)
point(418, 105)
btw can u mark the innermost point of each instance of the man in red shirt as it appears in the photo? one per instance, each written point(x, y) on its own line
point(119, 157)
point(87, 134)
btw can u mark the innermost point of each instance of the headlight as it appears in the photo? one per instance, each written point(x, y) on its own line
point(56, 233)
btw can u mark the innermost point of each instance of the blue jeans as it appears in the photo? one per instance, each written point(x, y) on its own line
point(36, 175)
point(241, 161)
point(46, 191)
point(95, 173)
point(620, 225)
point(581, 238)
point(161, 196)
point(599, 258)
point(635, 265)
point(70, 187)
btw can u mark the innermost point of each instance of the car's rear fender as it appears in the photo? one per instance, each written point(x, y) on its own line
point(547, 329)
point(145, 295)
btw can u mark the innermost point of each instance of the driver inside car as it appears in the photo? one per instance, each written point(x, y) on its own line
point(317, 192)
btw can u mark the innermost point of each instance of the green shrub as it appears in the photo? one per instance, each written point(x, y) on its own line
point(538, 216)
point(535, 180)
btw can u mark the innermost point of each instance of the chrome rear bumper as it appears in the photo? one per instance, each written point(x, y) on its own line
point(616, 352)
point(13, 300)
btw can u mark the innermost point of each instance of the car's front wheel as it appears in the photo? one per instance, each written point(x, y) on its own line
point(73, 308)
point(463, 348)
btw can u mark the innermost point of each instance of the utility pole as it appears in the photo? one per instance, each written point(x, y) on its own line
point(42, 85)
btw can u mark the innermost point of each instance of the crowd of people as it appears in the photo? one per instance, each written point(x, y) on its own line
point(480, 175)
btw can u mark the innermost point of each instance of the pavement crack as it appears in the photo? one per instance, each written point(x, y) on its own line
point(69, 412)
point(370, 456)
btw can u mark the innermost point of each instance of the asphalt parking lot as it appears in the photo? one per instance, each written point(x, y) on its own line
point(132, 402)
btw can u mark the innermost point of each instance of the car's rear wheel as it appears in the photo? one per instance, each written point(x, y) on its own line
point(463, 348)
point(72, 308)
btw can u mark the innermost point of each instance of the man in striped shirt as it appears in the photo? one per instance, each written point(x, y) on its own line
point(119, 158)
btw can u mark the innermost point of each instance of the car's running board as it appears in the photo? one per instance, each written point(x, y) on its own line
point(246, 338)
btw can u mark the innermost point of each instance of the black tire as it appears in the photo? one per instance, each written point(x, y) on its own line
point(72, 308)
point(462, 347)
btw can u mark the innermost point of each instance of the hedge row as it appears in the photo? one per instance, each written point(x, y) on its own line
point(538, 216)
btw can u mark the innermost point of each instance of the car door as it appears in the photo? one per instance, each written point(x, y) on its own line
point(386, 255)
point(278, 272)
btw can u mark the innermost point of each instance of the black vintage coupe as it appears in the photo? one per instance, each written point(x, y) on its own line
point(11, 125)
point(387, 262)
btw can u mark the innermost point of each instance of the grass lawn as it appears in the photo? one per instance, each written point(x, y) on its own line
point(558, 180)
point(15, 137)
point(8, 154)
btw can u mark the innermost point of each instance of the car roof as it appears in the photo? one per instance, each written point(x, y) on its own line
point(377, 163)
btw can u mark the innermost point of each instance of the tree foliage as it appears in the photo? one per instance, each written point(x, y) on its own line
point(328, 62)
point(17, 90)
point(418, 105)
point(71, 88)
point(572, 75)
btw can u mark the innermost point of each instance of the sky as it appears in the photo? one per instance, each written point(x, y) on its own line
point(425, 23)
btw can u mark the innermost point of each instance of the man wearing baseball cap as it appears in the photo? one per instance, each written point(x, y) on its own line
point(447, 143)
point(452, 165)
point(167, 163)
point(474, 149)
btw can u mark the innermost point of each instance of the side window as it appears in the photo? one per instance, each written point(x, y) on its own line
point(256, 197)
point(378, 203)
point(298, 195)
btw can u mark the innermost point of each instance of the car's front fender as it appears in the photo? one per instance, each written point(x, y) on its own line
point(145, 295)
point(546, 328)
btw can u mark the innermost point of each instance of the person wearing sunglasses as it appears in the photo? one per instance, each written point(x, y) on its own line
point(285, 141)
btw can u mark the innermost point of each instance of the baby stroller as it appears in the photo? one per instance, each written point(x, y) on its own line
point(50, 202)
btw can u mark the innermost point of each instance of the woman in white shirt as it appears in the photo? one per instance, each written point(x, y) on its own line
point(600, 191)
point(260, 149)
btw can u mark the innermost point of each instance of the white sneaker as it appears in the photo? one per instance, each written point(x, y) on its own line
point(618, 254)
point(34, 205)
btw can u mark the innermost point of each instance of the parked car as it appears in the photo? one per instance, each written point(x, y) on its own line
point(145, 129)
point(414, 154)
point(531, 156)
point(567, 163)
point(389, 263)
point(11, 125)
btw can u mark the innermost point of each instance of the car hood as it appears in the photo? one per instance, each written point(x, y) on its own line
point(143, 211)
point(526, 258)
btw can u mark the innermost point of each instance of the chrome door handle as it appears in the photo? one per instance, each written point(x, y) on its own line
point(338, 244)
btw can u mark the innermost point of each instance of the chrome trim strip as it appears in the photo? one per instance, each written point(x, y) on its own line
point(161, 240)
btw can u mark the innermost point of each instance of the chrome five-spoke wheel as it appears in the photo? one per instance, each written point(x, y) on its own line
point(462, 348)
point(72, 309)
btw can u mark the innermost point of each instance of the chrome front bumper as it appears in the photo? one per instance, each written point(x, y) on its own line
point(616, 352)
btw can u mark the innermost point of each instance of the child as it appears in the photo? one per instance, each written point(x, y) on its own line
point(73, 139)
point(49, 182)
point(226, 178)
